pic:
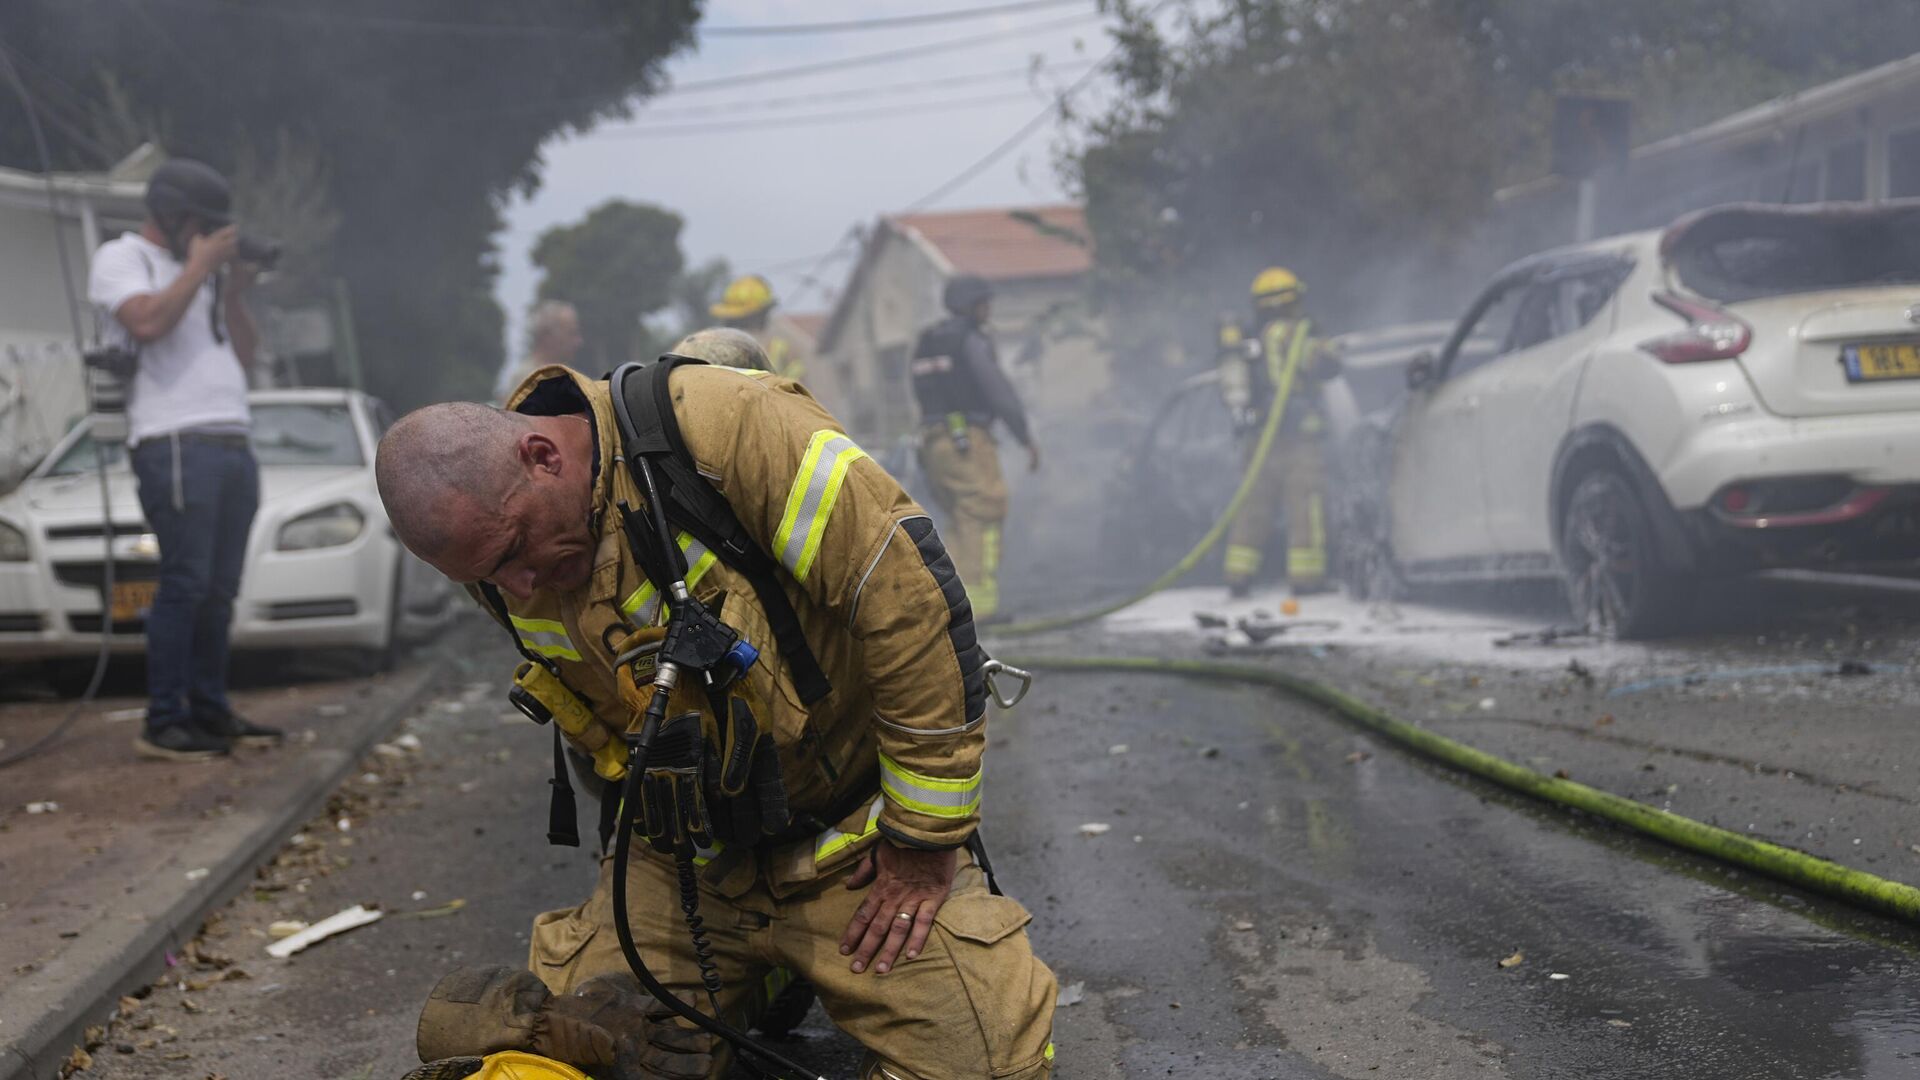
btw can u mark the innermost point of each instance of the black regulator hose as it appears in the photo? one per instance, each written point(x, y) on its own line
point(637, 749)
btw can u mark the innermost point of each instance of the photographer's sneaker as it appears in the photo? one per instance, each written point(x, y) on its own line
point(243, 731)
point(181, 742)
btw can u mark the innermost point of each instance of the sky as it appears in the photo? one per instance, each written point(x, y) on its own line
point(774, 196)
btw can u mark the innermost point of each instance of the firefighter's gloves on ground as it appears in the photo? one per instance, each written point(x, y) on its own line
point(713, 775)
point(607, 1026)
point(905, 888)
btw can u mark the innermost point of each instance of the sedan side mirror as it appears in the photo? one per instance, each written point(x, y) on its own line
point(1421, 371)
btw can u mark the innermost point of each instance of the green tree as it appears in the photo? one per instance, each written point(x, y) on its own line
point(1358, 142)
point(420, 116)
point(616, 266)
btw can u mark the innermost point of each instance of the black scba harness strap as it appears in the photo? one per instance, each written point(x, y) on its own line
point(563, 815)
point(643, 409)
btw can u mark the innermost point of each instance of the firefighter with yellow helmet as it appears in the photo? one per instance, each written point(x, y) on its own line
point(1277, 359)
point(747, 304)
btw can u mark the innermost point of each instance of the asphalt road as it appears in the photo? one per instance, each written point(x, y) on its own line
point(1275, 896)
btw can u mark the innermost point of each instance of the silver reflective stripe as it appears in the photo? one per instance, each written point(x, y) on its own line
point(936, 796)
point(810, 501)
point(853, 609)
point(929, 733)
point(832, 842)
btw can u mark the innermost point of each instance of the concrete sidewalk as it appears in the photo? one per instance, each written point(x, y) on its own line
point(99, 889)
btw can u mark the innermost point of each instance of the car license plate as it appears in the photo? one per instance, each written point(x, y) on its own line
point(133, 599)
point(1877, 363)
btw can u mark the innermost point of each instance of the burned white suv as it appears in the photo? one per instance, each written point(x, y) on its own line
point(1737, 392)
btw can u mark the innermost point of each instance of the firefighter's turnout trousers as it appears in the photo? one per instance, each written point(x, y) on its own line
point(976, 1002)
point(1293, 483)
point(971, 493)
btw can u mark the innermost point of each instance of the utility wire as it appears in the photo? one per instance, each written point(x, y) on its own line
point(812, 119)
point(883, 23)
point(456, 28)
point(858, 92)
point(1020, 135)
point(888, 56)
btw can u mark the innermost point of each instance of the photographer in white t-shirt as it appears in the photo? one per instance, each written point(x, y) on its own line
point(177, 289)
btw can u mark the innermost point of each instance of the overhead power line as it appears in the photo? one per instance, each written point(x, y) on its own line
point(1020, 134)
point(812, 119)
point(888, 56)
point(340, 20)
point(884, 23)
point(866, 92)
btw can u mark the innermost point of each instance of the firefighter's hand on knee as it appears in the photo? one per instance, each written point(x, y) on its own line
point(905, 888)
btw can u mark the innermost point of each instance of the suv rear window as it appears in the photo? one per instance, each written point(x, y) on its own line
point(1742, 254)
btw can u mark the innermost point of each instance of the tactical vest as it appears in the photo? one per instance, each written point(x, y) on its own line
point(943, 382)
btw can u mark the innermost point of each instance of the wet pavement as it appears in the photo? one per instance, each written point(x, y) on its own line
point(1276, 895)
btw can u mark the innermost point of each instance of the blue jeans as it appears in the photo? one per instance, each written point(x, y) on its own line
point(199, 495)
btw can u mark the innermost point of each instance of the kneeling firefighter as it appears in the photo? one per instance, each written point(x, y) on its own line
point(761, 646)
point(1275, 363)
point(961, 391)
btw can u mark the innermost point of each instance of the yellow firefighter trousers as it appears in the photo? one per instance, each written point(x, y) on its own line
point(976, 1003)
point(972, 495)
point(1293, 480)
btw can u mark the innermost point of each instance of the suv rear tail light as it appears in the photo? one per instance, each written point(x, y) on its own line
point(1711, 334)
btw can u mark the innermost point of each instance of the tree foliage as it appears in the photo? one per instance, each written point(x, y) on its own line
point(409, 122)
point(616, 266)
point(1359, 141)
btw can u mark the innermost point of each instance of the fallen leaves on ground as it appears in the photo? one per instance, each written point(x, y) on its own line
point(1515, 960)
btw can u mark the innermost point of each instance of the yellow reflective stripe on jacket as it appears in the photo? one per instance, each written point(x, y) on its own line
point(545, 637)
point(810, 502)
point(833, 841)
point(932, 795)
point(642, 606)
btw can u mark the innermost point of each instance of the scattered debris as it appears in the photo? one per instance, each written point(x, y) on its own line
point(47, 807)
point(198, 873)
point(1620, 1023)
point(1580, 671)
point(121, 716)
point(1071, 994)
point(345, 824)
point(1515, 960)
point(1242, 925)
point(78, 1061)
point(338, 923)
point(1209, 621)
point(1117, 749)
point(443, 910)
point(1261, 631)
point(1209, 751)
point(1358, 756)
point(1605, 719)
point(1559, 976)
point(331, 711)
point(1487, 704)
point(1562, 774)
point(388, 750)
point(418, 895)
point(1095, 828)
point(285, 928)
point(1552, 635)
point(409, 742)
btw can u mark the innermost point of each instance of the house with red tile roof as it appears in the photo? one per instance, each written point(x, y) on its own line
point(1037, 258)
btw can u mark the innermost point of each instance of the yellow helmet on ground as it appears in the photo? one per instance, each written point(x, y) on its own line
point(745, 296)
point(1276, 286)
point(505, 1065)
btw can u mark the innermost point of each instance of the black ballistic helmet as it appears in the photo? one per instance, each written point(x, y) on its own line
point(182, 186)
point(965, 292)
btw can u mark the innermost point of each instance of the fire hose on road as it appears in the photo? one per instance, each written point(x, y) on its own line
point(1857, 887)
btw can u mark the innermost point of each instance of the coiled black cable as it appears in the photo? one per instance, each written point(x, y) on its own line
point(696, 929)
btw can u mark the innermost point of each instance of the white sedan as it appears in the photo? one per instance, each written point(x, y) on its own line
point(1735, 393)
point(323, 568)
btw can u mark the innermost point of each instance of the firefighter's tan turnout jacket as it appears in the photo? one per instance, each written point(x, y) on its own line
point(877, 599)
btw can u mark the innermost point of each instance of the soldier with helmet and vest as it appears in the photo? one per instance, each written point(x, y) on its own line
point(747, 304)
point(825, 829)
point(1276, 359)
point(962, 392)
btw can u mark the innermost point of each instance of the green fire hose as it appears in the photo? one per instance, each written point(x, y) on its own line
point(1269, 431)
point(1857, 887)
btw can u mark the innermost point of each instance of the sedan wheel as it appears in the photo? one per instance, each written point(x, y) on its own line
point(1614, 582)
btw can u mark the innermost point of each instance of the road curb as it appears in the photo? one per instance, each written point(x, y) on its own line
point(126, 948)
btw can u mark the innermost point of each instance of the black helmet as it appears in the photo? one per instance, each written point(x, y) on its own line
point(965, 292)
point(183, 186)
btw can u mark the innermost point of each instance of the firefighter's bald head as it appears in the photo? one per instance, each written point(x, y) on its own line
point(483, 494)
